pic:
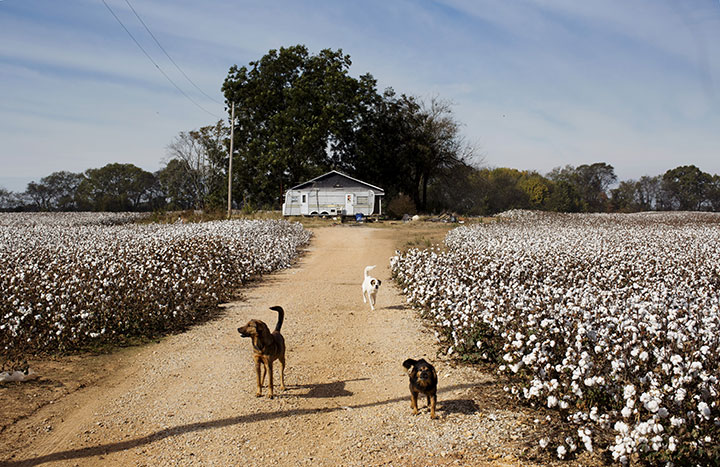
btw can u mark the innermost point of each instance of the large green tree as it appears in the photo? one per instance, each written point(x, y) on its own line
point(296, 114)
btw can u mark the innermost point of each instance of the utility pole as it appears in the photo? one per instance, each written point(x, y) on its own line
point(232, 140)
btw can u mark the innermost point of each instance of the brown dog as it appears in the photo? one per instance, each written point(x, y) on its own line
point(267, 347)
point(423, 379)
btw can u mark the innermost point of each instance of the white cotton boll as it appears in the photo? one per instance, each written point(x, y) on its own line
point(552, 401)
point(652, 405)
point(656, 443)
point(704, 410)
point(543, 443)
point(561, 452)
point(622, 427)
point(626, 412)
point(677, 421)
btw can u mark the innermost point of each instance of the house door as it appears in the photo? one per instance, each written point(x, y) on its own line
point(349, 204)
point(304, 204)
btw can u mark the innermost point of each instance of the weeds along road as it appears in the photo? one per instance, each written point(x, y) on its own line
point(190, 399)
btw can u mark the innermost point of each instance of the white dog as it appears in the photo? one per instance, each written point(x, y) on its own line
point(370, 287)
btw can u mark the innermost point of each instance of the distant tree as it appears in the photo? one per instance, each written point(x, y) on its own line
point(215, 142)
point(39, 195)
point(198, 162)
point(461, 190)
point(648, 192)
point(591, 182)
point(624, 198)
point(117, 187)
point(174, 186)
point(62, 187)
point(687, 187)
point(505, 190)
point(536, 187)
point(713, 193)
point(564, 197)
point(7, 199)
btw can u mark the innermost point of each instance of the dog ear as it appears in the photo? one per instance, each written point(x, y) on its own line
point(409, 364)
point(379, 282)
point(262, 328)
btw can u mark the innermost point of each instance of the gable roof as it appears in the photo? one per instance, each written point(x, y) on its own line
point(335, 179)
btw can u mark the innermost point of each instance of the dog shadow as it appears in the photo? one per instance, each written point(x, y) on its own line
point(461, 406)
point(326, 390)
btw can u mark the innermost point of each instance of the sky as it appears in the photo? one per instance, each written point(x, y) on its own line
point(535, 84)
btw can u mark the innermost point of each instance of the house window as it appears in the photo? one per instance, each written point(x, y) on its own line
point(294, 199)
point(304, 198)
point(362, 200)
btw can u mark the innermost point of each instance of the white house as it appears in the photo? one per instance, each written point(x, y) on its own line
point(333, 194)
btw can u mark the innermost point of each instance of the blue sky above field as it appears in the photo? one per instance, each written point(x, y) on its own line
point(536, 84)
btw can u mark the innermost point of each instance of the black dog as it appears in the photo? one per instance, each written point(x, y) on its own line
point(423, 379)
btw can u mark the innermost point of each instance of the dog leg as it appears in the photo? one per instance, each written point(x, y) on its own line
point(282, 372)
point(258, 393)
point(270, 379)
point(364, 300)
point(432, 400)
point(372, 302)
point(413, 402)
point(262, 377)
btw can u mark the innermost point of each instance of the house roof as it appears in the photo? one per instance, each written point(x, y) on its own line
point(335, 179)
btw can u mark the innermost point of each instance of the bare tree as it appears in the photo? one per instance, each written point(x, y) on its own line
point(200, 155)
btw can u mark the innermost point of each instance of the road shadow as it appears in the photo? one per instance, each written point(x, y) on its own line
point(324, 390)
point(105, 449)
point(462, 406)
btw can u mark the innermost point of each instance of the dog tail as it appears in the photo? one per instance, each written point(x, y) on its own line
point(281, 316)
point(368, 269)
point(409, 363)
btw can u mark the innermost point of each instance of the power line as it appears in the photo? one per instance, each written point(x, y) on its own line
point(168, 55)
point(156, 65)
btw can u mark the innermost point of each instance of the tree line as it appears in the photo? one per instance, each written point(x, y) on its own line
point(299, 115)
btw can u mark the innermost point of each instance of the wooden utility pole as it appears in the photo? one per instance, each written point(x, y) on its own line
point(232, 140)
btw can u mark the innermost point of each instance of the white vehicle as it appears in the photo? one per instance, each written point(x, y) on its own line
point(333, 194)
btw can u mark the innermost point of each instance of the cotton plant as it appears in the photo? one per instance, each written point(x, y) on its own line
point(613, 320)
point(72, 279)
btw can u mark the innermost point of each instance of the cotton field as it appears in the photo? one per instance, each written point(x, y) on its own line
point(68, 280)
point(613, 320)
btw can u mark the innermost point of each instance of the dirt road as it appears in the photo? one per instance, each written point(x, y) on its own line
point(190, 399)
